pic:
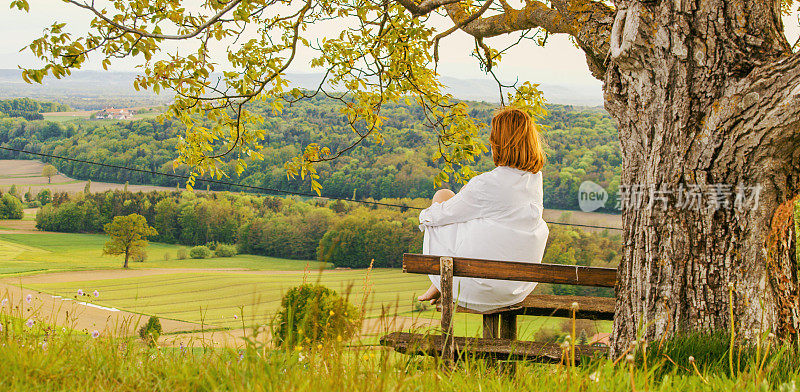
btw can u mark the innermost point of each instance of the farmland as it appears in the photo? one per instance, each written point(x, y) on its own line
point(218, 294)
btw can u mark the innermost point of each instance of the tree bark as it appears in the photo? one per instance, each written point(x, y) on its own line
point(706, 94)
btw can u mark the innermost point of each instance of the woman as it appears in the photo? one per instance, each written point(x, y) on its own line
point(496, 215)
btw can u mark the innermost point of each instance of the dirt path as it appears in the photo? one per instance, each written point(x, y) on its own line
point(8, 226)
point(81, 315)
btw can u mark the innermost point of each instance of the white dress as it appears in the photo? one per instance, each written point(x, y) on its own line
point(496, 216)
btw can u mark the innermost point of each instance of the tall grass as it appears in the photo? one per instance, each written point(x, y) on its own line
point(40, 357)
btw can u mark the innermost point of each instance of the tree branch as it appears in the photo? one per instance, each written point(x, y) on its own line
point(588, 21)
point(142, 33)
point(457, 26)
point(425, 7)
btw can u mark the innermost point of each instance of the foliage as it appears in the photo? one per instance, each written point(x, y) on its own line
point(151, 331)
point(581, 145)
point(49, 171)
point(363, 236)
point(10, 207)
point(128, 236)
point(312, 314)
point(200, 252)
point(181, 254)
point(345, 234)
point(30, 105)
point(44, 196)
point(225, 250)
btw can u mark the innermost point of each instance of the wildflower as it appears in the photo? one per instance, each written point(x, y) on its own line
point(235, 317)
point(95, 334)
point(629, 358)
point(44, 345)
point(332, 313)
point(1, 327)
point(29, 323)
point(3, 302)
point(594, 377)
point(28, 298)
point(96, 294)
point(691, 359)
point(574, 306)
point(319, 346)
point(80, 292)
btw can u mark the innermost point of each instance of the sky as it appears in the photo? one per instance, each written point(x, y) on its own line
point(558, 63)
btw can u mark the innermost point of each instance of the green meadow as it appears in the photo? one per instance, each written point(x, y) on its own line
point(246, 294)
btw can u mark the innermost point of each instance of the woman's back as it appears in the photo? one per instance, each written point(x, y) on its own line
point(496, 216)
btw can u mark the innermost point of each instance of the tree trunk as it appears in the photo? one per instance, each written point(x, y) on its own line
point(706, 94)
point(127, 255)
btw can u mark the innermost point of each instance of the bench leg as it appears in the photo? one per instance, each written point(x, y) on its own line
point(446, 276)
point(508, 330)
point(508, 326)
point(491, 324)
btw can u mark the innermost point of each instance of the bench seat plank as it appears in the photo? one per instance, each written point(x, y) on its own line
point(594, 308)
point(508, 270)
point(501, 349)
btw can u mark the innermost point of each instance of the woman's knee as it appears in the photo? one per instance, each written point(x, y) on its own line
point(442, 195)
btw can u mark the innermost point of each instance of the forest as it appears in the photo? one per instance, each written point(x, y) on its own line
point(581, 145)
point(28, 109)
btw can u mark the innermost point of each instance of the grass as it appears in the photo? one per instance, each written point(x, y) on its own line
point(66, 361)
point(213, 297)
point(71, 252)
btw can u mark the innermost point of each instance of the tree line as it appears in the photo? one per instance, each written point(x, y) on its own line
point(343, 233)
point(29, 109)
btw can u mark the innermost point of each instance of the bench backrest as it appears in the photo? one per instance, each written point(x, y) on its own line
point(509, 270)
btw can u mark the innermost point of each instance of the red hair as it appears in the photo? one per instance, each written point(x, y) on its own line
point(515, 141)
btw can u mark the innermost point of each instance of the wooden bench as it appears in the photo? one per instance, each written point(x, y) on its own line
point(500, 325)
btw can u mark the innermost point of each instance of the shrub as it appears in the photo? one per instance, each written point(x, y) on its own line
point(34, 204)
point(200, 252)
point(151, 331)
point(225, 250)
point(10, 207)
point(139, 255)
point(314, 314)
point(166, 256)
point(181, 254)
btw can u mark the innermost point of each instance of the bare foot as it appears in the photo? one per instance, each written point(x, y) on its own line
point(431, 295)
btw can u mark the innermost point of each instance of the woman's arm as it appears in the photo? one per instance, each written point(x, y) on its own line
point(465, 205)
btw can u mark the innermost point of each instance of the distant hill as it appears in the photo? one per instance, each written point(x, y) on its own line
point(91, 90)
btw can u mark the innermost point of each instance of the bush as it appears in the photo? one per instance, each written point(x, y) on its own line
point(166, 256)
point(151, 331)
point(225, 250)
point(10, 207)
point(181, 254)
point(200, 252)
point(139, 256)
point(34, 204)
point(314, 314)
